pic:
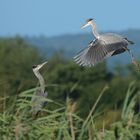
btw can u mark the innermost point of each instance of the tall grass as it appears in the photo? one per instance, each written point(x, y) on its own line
point(62, 123)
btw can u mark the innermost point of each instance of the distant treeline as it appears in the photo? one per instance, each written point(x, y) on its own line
point(72, 43)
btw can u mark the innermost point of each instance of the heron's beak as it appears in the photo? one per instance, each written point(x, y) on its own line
point(84, 26)
point(41, 65)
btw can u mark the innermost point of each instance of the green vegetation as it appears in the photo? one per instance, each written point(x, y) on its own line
point(63, 124)
point(16, 60)
point(80, 106)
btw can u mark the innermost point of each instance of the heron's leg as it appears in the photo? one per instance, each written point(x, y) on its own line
point(132, 57)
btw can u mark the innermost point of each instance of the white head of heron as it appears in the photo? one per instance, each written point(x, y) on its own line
point(88, 22)
point(38, 67)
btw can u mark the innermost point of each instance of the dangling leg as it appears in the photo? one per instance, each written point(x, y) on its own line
point(132, 57)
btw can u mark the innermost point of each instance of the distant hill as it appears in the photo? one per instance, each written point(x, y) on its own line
point(73, 43)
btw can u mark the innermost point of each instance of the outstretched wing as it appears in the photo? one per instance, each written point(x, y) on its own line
point(99, 49)
point(94, 53)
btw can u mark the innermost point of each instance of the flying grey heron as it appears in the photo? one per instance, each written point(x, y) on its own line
point(103, 46)
point(38, 98)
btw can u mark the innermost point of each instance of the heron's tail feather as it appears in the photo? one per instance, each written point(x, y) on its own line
point(131, 42)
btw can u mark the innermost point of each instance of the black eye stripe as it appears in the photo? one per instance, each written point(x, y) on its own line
point(89, 19)
point(34, 66)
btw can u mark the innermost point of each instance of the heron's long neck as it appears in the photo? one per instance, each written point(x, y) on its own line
point(41, 80)
point(96, 34)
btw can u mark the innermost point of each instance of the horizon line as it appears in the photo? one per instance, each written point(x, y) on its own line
point(64, 34)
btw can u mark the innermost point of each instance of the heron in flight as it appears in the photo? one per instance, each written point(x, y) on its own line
point(38, 98)
point(103, 46)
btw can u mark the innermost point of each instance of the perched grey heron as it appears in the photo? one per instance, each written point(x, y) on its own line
point(38, 98)
point(103, 46)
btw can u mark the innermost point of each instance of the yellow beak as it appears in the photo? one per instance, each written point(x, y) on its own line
point(41, 65)
point(84, 26)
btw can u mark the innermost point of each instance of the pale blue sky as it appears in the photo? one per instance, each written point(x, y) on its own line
point(54, 17)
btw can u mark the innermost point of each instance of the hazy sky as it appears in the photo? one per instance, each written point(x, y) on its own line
point(54, 17)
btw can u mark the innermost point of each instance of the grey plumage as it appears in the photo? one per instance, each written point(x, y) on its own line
point(103, 46)
point(38, 99)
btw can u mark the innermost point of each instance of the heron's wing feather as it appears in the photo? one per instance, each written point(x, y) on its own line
point(80, 57)
point(113, 38)
point(94, 53)
point(112, 47)
point(38, 100)
point(119, 51)
point(114, 42)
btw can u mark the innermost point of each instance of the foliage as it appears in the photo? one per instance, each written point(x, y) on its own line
point(17, 58)
point(74, 110)
point(63, 124)
point(84, 84)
